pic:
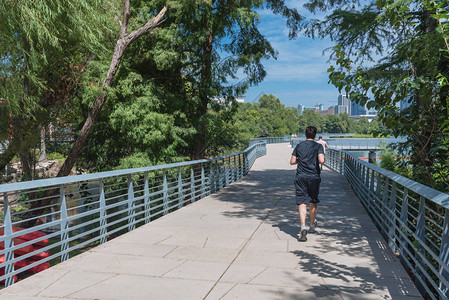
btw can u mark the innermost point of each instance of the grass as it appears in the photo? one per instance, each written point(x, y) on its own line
point(56, 156)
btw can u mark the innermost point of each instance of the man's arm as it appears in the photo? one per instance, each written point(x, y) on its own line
point(321, 158)
point(293, 160)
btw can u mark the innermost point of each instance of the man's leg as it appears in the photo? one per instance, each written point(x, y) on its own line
point(303, 214)
point(302, 217)
point(313, 192)
point(312, 212)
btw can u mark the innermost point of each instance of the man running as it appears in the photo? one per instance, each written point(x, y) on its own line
point(307, 155)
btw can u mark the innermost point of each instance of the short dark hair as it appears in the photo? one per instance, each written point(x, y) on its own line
point(311, 132)
point(320, 137)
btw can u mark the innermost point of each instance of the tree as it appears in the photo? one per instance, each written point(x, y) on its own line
point(122, 44)
point(40, 41)
point(310, 118)
point(219, 38)
point(408, 36)
point(125, 39)
point(268, 117)
point(363, 126)
point(333, 124)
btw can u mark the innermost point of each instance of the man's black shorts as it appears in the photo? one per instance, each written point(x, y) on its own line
point(307, 189)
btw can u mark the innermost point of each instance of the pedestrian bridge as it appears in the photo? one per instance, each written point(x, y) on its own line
point(240, 241)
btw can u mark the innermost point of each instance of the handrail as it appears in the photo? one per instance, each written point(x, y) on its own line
point(71, 179)
point(270, 140)
point(90, 209)
point(412, 217)
point(354, 143)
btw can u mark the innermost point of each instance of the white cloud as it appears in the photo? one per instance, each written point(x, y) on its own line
point(299, 75)
point(296, 72)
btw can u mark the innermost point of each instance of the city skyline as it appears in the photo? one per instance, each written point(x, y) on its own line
point(343, 105)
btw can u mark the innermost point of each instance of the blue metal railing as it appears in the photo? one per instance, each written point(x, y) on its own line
point(354, 143)
point(87, 209)
point(413, 218)
point(270, 140)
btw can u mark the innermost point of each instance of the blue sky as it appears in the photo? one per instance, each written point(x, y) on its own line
point(299, 75)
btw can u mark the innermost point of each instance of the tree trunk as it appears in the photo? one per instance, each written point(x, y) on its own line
point(124, 41)
point(23, 135)
point(43, 155)
point(120, 47)
point(8, 154)
point(204, 88)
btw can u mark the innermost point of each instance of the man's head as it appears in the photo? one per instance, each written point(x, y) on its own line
point(320, 137)
point(311, 132)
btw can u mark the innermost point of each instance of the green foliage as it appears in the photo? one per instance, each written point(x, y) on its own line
point(408, 37)
point(56, 155)
point(310, 118)
point(388, 160)
point(268, 117)
point(39, 36)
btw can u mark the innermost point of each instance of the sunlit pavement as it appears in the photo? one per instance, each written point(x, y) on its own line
point(241, 243)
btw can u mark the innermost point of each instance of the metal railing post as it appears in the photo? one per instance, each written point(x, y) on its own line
point(203, 181)
point(367, 178)
point(391, 209)
point(378, 185)
point(444, 255)
point(220, 176)
point(342, 162)
point(234, 170)
point(226, 171)
point(371, 187)
point(212, 177)
point(103, 221)
point(180, 196)
point(385, 200)
point(165, 192)
point(64, 227)
point(240, 166)
point(131, 215)
point(404, 220)
point(9, 242)
point(146, 197)
point(245, 164)
point(192, 185)
point(421, 235)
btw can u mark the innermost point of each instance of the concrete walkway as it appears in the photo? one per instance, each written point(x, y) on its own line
point(241, 243)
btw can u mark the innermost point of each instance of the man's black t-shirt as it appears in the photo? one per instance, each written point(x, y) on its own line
point(306, 154)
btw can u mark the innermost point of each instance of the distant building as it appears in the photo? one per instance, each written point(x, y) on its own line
point(339, 109)
point(343, 100)
point(343, 105)
point(329, 111)
point(319, 107)
point(357, 109)
point(372, 111)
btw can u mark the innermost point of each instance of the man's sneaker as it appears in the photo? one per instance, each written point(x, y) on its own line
point(312, 227)
point(303, 234)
